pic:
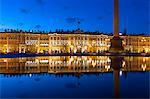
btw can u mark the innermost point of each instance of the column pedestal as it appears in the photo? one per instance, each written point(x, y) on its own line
point(116, 45)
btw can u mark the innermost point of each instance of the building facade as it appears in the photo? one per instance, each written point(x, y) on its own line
point(74, 42)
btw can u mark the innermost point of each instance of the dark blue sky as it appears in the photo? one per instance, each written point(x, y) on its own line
point(64, 14)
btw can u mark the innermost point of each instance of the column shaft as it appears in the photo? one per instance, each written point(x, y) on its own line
point(116, 18)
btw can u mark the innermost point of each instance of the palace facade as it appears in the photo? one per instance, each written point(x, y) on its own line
point(67, 42)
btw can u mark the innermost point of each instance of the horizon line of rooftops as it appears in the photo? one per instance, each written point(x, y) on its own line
point(61, 31)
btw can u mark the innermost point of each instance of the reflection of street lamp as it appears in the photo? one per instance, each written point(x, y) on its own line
point(5, 60)
point(143, 66)
point(93, 63)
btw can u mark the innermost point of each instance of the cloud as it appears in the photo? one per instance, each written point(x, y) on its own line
point(21, 24)
point(24, 10)
point(66, 7)
point(70, 20)
point(3, 26)
point(9, 19)
point(100, 17)
point(134, 2)
point(40, 2)
point(138, 4)
point(38, 26)
point(73, 20)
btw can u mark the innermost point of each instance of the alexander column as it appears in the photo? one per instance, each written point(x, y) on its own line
point(116, 41)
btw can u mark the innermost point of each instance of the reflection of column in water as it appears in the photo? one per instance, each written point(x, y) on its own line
point(116, 83)
point(116, 64)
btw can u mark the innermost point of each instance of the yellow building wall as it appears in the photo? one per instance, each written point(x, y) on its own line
point(67, 43)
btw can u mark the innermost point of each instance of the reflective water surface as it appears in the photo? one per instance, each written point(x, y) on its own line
point(74, 77)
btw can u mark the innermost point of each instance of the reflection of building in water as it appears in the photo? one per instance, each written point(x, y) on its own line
point(67, 42)
point(73, 64)
point(55, 64)
point(136, 63)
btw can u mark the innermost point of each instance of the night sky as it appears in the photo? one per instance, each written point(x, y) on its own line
point(94, 15)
